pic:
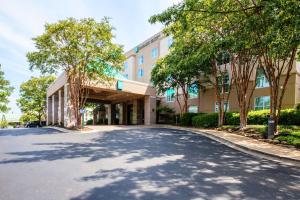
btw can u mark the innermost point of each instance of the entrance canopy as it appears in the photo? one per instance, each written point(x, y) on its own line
point(137, 100)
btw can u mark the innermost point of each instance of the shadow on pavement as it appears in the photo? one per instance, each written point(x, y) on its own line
point(170, 164)
point(27, 131)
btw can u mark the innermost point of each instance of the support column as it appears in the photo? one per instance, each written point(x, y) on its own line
point(121, 114)
point(109, 114)
point(68, 119)
point(113, 114)
point(150, 110)
point(124, 116)
point(54, 109)
point(135, 112)
point(49, 110)
point(60, 107)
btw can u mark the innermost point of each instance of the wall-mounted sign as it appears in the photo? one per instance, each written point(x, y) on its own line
point(119, 85)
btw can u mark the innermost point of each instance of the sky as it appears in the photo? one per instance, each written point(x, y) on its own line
point(22, 20)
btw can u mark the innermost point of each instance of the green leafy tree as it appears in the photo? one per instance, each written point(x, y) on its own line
point(5, 92)
point(83, 49)
point(173, 72)
point(32, 101)
point(27, 117)
point(254, 33)
point(3, 122)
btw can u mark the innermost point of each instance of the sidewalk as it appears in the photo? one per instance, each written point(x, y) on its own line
point(248, 145)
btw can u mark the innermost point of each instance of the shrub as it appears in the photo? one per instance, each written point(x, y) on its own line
point(232, 118)
point(258, 116)
point(89, 122)
point(205, 120)
point(3, 123)
point(186, 119)
point(289, 117)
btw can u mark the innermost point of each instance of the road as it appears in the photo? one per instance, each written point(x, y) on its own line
point(133, 164)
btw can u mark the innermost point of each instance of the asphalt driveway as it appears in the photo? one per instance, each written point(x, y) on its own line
point(138, 163)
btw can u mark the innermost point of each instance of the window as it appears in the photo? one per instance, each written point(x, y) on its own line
point(225, 82)
point(226, 106)
point(140, 73)
point(170, 41)
point(170, 95)
point(261, 103)
point(125, 65)
point(193, 91)
point(141, 60)
point(261, 80)
point(154, 53)
point(193, 109)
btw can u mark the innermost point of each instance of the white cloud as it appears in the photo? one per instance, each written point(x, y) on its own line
point(13, 37)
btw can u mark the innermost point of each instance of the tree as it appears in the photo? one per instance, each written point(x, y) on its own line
point(33, 92)
point(255, 34)
point(173, 73)
point(82, 48)
point(3, 122)
point(5, 92)
point(203, 52)
point(27, 117)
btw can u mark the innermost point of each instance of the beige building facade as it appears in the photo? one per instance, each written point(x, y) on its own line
point(136, 101)
point(141, 60)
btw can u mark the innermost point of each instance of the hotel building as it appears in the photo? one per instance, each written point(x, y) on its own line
point(132, 99)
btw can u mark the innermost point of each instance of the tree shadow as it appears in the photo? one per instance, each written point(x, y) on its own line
point(28, 131)
point(157, 163)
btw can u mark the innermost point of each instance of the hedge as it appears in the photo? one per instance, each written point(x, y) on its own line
point(258, 117)
point(206, 120)
point(186, 119)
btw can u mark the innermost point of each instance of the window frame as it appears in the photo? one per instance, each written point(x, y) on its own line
point(225, 104)
point(261, 80)
point(193, 106)
point(140, 60)
point(263, 107)
point(170, 98)
point(194, 96)
point(154, 52)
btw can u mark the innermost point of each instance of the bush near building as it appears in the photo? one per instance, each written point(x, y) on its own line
point(258, 117)
point(289, 121)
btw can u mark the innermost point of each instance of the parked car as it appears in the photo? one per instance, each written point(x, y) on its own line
point(33, 124)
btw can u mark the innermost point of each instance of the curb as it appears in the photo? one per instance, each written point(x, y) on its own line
point(253, 152)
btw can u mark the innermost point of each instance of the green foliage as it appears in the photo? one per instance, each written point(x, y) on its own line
point(32, 101)
point(290, 135)
point(290, 139)
point(74, 44)
point(258, 116)
point(3, 122)
point(232, 118)
point(249, 30)
point(26, 117)
point(209, 120)
point(165, 109)
point(255, 118)
point(289, 117)
point(84, 49)
point(5, 92)
point(89, 122)
point(186, 119)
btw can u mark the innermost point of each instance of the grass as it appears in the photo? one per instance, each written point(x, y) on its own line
point(290, 135)
point(287, 134)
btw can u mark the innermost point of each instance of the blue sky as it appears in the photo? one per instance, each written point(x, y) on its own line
point(22, 20)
